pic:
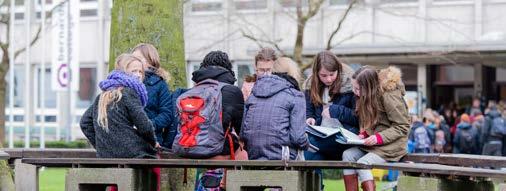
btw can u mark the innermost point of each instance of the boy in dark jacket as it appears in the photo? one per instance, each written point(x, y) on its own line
point(217, 66)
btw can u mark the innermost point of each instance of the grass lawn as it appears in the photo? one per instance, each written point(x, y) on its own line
point(52, 179)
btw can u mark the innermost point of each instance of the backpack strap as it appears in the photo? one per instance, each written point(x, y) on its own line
point(228, 136)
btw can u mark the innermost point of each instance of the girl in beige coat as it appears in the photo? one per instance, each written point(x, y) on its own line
point(384, 123)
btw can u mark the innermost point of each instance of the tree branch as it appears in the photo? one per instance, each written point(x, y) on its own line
point(340, 23)
point(260, 41)
point(314, 7)
point(37, 36)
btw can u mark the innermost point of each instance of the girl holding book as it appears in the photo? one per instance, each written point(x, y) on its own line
point(384, 123)
point(329, 97)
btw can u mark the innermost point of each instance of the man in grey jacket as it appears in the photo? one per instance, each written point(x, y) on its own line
point(274, 117)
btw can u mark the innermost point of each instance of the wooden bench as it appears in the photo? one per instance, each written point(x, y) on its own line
point(426, 167)
point(428, 177)
point(283, 174)
point(457, 160)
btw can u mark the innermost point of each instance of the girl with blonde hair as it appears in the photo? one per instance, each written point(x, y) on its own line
point(116, 124)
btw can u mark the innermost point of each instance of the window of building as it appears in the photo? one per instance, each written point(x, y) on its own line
point(501, 74)
point(48, 118)
point(454, 74)
point(397, 1)
point(292, 3)
point(250, 4)
point(38, 15)
point(19, 86)
point(47, 2)
point(49, 94)
point(19, 2)
point(19, 16)
point(339, 2)
point(87, 87)
point(206, 5)
point(88, 13)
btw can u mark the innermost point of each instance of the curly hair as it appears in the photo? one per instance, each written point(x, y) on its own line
point(217, 58)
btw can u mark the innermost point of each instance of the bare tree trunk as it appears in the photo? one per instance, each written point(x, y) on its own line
point(299, 44)
point(158, 22)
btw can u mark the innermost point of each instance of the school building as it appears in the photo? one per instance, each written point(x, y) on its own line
point(448, 50)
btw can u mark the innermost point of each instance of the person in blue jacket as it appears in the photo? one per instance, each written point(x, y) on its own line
point(330, 95)
point(170, 134)
point(158, 109)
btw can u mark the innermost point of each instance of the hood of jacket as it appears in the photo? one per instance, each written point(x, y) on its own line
point(213, 72)
point(269, 85)
point(390, 79)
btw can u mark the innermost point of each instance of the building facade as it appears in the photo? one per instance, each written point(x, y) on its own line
point(448, 50)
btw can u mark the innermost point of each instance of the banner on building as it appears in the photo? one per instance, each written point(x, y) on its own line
point(65, 63)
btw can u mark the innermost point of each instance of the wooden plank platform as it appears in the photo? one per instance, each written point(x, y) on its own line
point(438, 169)
point(63, 153)
point(50, 153)
point(178, 163)
point(457, 160)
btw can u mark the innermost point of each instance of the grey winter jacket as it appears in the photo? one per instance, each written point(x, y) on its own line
point(131, 133)
point(274, 116)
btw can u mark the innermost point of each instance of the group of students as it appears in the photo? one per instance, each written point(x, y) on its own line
point(266, 120)
point(482, 131)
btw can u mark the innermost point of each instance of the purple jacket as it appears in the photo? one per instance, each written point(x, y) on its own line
point(274, 116)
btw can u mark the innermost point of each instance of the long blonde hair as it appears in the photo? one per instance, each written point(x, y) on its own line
point(152, 58)
point(287, 65)
point(113, 96)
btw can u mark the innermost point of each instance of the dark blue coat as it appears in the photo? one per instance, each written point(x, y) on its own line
point(170, 133)
point(342, 108)
point(158, 108)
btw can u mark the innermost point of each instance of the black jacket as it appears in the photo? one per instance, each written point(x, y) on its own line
point(232, 99)
point(131, 133)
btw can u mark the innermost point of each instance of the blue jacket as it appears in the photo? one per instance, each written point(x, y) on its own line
point(342, 108)
point(158, 108)
point(274, 117)
point(170, 134)
point(472, 145)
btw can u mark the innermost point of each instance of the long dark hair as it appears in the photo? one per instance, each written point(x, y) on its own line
point(329, 61)
point(368, 103)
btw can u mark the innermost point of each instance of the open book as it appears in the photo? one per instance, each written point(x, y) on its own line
point(343, 136)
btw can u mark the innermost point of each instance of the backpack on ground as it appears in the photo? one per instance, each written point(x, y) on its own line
point(467, 141)
point(421, 138)
point(200, 131)
point(498, 129)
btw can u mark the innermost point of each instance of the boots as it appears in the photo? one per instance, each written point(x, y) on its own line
point(368, 185)
point(351, 182)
